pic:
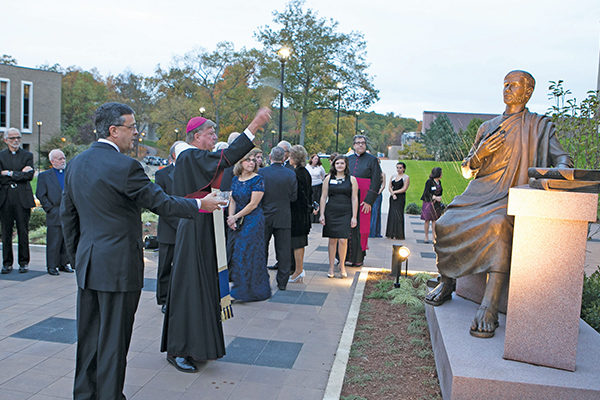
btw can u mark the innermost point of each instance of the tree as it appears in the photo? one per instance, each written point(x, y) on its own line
point(223, 78)
point(135, 91)
point(441, 141)
point(467, 137)
point(321, 57)
point(82, 93)
point(414, 151)
point(8, 60)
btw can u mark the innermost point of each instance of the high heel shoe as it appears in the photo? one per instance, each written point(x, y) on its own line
point(343, 275)
point(330, 275)
point(298, 279)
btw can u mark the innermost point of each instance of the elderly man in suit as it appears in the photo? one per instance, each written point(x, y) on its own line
point(166, 231)
point(281, 188)
point(16, 199)
point(49, 192)
point(101, 218)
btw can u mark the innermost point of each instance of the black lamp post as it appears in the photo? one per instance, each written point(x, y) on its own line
point(400, 254)
point(176, 134)
point(340, 86)
point(273, 137)
point(39, 125)
point(284, 54)
point(356, 122)
point(202, 111)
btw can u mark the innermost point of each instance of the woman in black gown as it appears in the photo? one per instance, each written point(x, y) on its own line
point(339, 207)
point(398, 186)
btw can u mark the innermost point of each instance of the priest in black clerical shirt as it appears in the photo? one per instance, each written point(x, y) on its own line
point(49, 192)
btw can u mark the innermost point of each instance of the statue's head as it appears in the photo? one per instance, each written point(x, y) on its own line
point(518, 87)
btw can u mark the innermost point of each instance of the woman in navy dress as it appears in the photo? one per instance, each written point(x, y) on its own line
point(339, 208)
point(247, 240)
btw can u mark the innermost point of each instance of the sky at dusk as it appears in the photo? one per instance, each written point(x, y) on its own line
point(426, 55)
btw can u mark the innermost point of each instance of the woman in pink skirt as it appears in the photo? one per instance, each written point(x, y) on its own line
point(432, 201)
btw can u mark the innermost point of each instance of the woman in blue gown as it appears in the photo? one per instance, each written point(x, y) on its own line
point(248, 263)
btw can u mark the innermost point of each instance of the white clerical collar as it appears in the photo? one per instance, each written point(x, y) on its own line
point(102, 140)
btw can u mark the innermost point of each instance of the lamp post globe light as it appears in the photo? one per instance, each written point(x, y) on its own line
point(283, 54)
point(339, 86)
point(202, 111)
point(39, 125)
point(176, 134)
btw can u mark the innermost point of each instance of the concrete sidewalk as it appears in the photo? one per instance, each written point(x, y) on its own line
point(282, 348)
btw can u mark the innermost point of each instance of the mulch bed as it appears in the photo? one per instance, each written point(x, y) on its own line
point(391, 355)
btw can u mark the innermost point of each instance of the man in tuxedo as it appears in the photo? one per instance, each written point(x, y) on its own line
point(16, 199)
point(49, 192)
point(167, 228)
point(281, 188)
point(101, 218)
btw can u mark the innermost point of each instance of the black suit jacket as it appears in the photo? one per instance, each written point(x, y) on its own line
point(16, 163)
point(167, 225)
point(49, 193)
point(281, 189)
point(101, 217)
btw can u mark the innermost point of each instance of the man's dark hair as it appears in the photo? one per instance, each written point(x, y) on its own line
point(356, 137)
point(109, 114)
point(277, 154)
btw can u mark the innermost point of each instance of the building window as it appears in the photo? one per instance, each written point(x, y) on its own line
point(27, 106)
point(4, 104)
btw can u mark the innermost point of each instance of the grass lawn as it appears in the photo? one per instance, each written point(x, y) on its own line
point(453, 182)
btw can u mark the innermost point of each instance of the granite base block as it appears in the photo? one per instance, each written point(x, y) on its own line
point(470, 368)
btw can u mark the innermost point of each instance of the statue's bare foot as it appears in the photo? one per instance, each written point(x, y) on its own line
point(441, 293)
point(485, 322)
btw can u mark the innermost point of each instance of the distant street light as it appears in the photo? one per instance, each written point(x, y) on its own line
point(202, 111)
point(176, 134)
point(63, 139)
point(39, 125)
point(273, 137)
point(339, 86)
point(356, 122)
point(284, 54)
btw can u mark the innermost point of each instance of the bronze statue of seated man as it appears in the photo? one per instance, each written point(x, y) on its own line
point(475, 233)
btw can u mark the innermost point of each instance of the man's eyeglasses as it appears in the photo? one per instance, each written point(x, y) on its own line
point(13, 138)
point(130, 127)
point(361, 143)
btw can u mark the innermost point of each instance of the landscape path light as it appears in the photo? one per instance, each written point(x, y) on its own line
point(400, 254)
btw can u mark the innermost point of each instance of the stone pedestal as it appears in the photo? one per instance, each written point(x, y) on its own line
point(546, 276)
point(470, 368)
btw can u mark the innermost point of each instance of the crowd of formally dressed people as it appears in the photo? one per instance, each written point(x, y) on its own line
point(93, 208)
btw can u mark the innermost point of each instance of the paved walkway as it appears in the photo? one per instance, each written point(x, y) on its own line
point(282, 348)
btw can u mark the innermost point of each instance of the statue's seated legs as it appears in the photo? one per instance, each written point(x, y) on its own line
point(442, 292)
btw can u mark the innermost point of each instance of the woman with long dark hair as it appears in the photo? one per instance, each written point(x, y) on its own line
point(398, 186)
point(339, 209)
point(432, 201)
point(317, 174)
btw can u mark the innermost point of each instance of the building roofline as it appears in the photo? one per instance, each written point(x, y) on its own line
point(30, 68)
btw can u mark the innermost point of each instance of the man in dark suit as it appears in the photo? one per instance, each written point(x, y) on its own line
point(286, 146)
point(49, 192)
point(101, 218)
point(280, 190)
point(167, 229)
point(16, 199)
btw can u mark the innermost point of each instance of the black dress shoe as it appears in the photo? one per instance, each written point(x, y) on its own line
point(53, 271)
point(6, 269)
point(281, 287)
point(182, 364)
point(23, 268)
point(163, 308)
point(66, 268)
